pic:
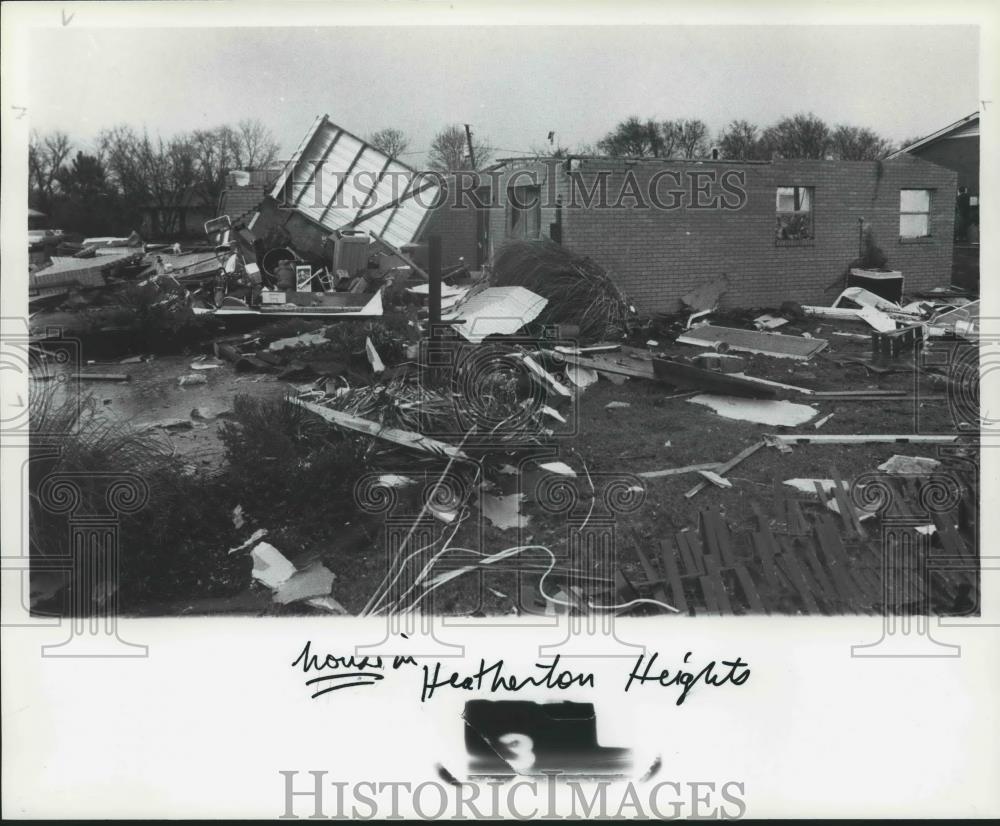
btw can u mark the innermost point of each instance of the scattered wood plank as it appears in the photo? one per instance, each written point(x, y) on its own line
point(676, 471)
point(792, 569)
point(545, 377)
point(686, 375)
point(714, 573)
point(403, 438)
point(837, 564)
point(647, 566)
point(950, 538)
point(706, 527)
point(715, 479)
point(847, 439)
point(779, 499)
point(753, 341)
point(697, 549)
point(848, 394)
point(762, 521)
point(86, 376)
point(844, 503)
point(723, 538)
point(725, 467)
point(825, 499)
point(673, 576)
point(692, 566)
point(708, 592)
point(764, 550)
point(796, 519)
point(808, 552)
point(750, 590)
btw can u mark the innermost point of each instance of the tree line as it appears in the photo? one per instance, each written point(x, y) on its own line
point(106, 189)
point(803, 135)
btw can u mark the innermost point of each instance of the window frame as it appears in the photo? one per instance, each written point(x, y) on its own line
point(916, 239)
point(810, 240)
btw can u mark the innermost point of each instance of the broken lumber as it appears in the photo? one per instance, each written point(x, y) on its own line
point(548, 380)
point(676, 471)
point(847, 439)
point(403, 438)
point(90, 376)
point(400, 254)
point(686, 375)
point(725, 467)
point(675, 373)
point(848, 394)
point(754, 341)
point(832, 313)
point(715, 479)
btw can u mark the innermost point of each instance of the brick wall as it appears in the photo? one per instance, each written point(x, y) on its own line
point(457, 226)
point(658, 254)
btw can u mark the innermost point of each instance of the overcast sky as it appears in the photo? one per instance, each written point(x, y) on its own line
point(513, 85)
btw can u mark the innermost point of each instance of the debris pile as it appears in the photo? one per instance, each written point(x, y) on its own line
point(578, 291)
point(473, 421)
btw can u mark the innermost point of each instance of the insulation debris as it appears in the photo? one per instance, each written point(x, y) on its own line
point(558, 467)
point(909, 465)
point(769, 322)
point(705, 296)
point(761, 411)
point(495, 311)
point(581, 376)
point(503, 512)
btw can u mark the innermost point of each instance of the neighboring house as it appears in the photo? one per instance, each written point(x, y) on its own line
point(956, 147)
point(780, 230)
point(184, 215)
point(245, 190)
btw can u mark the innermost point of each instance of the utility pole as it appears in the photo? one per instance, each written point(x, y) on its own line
point(468, 140)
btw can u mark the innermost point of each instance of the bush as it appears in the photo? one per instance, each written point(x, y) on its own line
point(390, 335)
point(174, 546)
point(282, 460)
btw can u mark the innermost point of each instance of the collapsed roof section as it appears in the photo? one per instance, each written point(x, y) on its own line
point(340, 181)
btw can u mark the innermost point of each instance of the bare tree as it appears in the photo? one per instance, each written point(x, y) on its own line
point(633, 138)
point(254, 145)
point(685, 138)
point(449, 151)
point(910, 141)
point(853, 143)
point(800, 136)
point(46, 159)
point(215, 152)
point(151, 173)
point(740, 141)
point(390, 140)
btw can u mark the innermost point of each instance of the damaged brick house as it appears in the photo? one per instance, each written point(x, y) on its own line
point(779, 230)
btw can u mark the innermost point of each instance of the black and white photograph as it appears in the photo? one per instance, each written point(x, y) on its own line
point(397, 346)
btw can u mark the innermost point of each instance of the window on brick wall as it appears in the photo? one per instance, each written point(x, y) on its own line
point(914, 213)
point(524, 211)
point(794, 213)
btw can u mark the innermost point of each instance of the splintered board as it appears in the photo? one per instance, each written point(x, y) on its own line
point(752, 341)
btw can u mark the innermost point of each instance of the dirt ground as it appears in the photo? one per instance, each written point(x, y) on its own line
point(658, 429)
